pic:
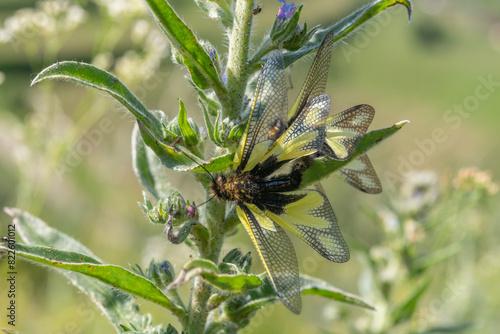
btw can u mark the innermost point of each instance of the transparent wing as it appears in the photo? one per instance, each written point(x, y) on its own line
point(277, 254)
point(305, 135)
point(310, 216)
point(315, 82)
point(267, 116)
point(360, 174)
point(345, 130)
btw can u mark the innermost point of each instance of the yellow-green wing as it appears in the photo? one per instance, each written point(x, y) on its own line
point(310, 216)
point(315, 82)
point(267, 116)
point(305, 135)
point(277, 254)
point(345, 130)
point(360, 174)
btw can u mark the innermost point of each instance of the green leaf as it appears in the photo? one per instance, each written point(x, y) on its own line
point(118, 308)
point(405, 310)
point(188, 134)
point(112, 275)
point(171, 330)
point(217, 10)
point(212, 105)
point(91, 76)
point(182, 38)
point(169, 157)
point(232, 283)
point(209, 125)
point(140, 163)
point(346, 26)
point(265, 295)
point(209, 271)
point(323, 167)
point(216, 165)
point(314, 286)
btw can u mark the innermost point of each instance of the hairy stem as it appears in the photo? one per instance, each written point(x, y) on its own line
point(237, 64)
point(198, 306)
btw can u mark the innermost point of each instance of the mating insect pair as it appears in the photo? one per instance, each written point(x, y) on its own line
point(268, 165)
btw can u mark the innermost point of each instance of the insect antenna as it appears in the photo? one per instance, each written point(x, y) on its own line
point(200, 165)
point(208, 200)
point(210, 174)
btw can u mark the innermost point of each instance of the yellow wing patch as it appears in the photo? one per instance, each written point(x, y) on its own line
point(278, 256)
point(261, 218)
point(360, 174)
point(306, 134)
point(345, 130)
point(311, 218)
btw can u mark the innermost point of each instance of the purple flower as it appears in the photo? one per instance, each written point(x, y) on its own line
point(224, 78)
point(213, 54)
point(286, 11)
point(191, 212)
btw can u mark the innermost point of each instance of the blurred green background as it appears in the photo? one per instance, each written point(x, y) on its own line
point(64, 162)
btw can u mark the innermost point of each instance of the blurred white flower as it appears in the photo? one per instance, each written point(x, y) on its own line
point(122, 9)
point(49, 18)
point(389, 220)
point(140, 31)
point(419, 190)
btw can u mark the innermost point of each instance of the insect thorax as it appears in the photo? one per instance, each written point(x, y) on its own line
point(238, 187)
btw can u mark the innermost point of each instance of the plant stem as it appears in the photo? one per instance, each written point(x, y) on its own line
point(198, 305)
point(237, 64)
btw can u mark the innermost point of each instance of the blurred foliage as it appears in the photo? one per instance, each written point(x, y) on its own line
point(431, 262)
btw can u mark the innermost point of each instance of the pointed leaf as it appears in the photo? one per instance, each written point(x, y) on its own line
point(188, 134)
point(211, 104)
point(216, 165)
point(232, 283)
point(169, 157)
point(314, 286)
point(265, 295)
point(323, 167)
point(217, 10)
point(91, 76)
point(346, 26)
point(117, 307)
point(140, 163)
point(209, 125)
point(112, 275)
point(171, 330)
point(209, 271)
point(182, 38)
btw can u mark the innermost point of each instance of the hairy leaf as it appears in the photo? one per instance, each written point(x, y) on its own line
point(112, 275)
point(209, 271)
point(91, 76)
point(140, 163)
point(118, 308)
point(182, 38)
